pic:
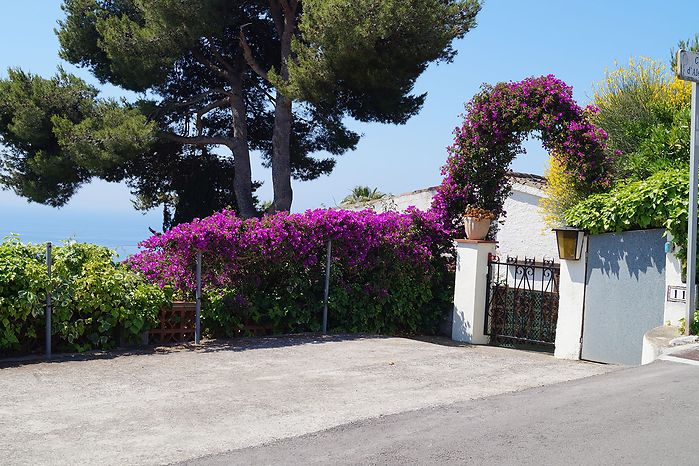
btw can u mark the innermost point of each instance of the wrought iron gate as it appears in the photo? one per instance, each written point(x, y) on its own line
point(522, 302)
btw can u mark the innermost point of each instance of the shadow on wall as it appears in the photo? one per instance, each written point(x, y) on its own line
point(638, 250)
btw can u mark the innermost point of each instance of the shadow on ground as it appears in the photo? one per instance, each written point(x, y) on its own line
point(218, 345)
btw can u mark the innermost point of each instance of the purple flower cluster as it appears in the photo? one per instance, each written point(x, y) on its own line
point(497, 121)
point(239, 253)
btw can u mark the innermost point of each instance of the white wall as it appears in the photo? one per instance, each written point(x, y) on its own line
point(523, 232)
point(674, 311)
point(571, 302)
point(421, 199)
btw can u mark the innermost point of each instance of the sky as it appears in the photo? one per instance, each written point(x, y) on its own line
point(576, 40)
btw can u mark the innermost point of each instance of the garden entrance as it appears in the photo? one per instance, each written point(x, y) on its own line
point(522, 302)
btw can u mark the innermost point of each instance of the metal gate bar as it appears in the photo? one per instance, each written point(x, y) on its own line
point(522, 301)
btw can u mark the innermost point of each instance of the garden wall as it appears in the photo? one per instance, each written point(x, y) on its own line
point(625, 294)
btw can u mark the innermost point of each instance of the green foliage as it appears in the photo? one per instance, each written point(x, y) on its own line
point(363, 194)
point(172, 178)
point(365, 55)
point(657, 202)
point(695, 324)
point(388, 299)
point(32, 162)
point(187, 57)
point(207, 71)
point(57, 135)
point(358, 59)
point(95, 301)
point(634, 205)
point(646, 114)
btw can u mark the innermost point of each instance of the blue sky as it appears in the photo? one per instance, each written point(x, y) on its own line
point(577, 40)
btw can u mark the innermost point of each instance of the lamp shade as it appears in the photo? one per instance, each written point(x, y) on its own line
point(570, 243)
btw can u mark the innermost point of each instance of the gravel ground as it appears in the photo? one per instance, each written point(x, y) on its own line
point(177, 404)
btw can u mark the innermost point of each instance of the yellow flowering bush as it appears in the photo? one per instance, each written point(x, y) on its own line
point(561, 194)
point(644, 109)
point(680, 93)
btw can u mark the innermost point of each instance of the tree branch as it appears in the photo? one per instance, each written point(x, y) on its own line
point(249, 58)
point(211, 65)
point(197, 98)
point(207, 108)
point(222, 60)
point(198, 140)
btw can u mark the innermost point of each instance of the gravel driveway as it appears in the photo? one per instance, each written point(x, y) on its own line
point(176, 404)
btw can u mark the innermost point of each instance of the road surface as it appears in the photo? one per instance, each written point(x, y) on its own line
point(174, 405)
point(645, 415)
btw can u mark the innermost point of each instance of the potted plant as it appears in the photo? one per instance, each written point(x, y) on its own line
point(477, 222)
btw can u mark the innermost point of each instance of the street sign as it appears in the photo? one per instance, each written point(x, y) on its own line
point(688, 65)
point(688, 70)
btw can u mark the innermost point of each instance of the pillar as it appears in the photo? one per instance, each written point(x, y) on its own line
point(571, 305)
point(470, 290)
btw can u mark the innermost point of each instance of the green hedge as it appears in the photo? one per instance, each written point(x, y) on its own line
point(393, 299)
point(660, 201)
point(96, 301)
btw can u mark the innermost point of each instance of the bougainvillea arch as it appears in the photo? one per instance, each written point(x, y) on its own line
point(498, 119)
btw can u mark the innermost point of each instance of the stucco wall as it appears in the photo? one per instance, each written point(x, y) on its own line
point(674, 311)
point(625, 295)
point(571, 300)
point(523, 232)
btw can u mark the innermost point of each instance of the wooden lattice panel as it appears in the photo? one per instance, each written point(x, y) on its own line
point(176, 324)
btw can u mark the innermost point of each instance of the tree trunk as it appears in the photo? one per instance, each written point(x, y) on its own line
point(283, 117)
point(281, 156)
point(242, 181)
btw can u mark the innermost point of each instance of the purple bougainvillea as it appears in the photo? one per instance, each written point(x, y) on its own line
point(231, 244)
point(497, 121)
point(390, 270)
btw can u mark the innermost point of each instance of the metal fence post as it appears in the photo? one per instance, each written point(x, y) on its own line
point(197, 324)
point(327, 286)
point(48, 311)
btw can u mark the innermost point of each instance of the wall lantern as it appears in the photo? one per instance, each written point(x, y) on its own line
point(570, 243)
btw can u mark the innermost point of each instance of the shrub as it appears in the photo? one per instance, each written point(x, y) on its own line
point(561, 194)
point(93, 298)
point(661, 201)
point(645, 111)
point(389, 271)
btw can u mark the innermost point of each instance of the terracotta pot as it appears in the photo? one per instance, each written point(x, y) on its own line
point(476, 229)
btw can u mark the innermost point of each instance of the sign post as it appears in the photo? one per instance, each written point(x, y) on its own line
point(688, 70)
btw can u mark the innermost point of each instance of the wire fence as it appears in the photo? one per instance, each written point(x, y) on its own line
point(48, 314)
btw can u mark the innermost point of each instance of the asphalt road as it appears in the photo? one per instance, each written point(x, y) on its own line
point(636, 416)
